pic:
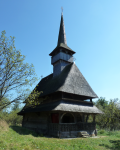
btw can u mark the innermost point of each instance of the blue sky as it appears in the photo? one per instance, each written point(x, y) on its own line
point(92, 31)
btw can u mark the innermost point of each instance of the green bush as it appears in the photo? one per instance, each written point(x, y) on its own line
point(11, 118)
point(101, 132)
point(113, 133)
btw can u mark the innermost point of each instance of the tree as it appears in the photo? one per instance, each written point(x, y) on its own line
point(102, 102)
point(16, 106)
point(111, 117)
point(16, 76)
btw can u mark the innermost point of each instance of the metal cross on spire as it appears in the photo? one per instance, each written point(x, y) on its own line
point(62, 10)
point(62, 35)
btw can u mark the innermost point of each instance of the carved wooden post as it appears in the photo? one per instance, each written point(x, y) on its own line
point(83, 118)
point(95, 131)
point(87, 118)
point(83, 121)
point(75, 119)
point(94, 118)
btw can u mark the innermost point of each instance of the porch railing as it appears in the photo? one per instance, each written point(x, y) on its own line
point(65, 127)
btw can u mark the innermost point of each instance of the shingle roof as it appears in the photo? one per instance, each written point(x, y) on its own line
point(63, 105)
point(70, 80)
point(62, 43)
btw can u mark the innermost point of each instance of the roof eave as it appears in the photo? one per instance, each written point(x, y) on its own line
point(58, 47)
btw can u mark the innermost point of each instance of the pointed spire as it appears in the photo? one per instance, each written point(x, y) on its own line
point(62, 35)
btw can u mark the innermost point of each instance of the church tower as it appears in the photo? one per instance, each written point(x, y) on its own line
point(62, 55)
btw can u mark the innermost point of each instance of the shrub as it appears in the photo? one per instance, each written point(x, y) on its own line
point(101, 131)
point(3, 125)
point(11, 118)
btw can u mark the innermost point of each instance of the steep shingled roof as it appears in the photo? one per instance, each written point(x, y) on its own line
point(63, 105)
point(70, 80)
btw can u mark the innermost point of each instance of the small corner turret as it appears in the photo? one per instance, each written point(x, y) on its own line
point(62, 55)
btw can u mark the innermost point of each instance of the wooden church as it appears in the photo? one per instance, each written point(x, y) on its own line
point(67, 96)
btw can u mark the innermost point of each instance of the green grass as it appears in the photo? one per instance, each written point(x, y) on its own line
point(18, 138)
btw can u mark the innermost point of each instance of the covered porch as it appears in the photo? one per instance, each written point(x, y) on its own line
point(71, 130)
point(64, 125)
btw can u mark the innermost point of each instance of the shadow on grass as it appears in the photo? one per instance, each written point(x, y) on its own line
point(23, 131)
point(115, 145)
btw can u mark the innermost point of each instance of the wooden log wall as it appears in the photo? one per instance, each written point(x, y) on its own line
point(37, 122)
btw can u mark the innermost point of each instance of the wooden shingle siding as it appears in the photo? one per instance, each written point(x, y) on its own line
point(62, 56)
point(34, 121)
point(59, 67)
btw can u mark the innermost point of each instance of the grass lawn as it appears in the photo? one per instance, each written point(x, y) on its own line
point(18, 138)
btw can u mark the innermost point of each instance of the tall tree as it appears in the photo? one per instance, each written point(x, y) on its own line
point(16, 106)
point(111, 117)
point(16, 76)
point(102, 102)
